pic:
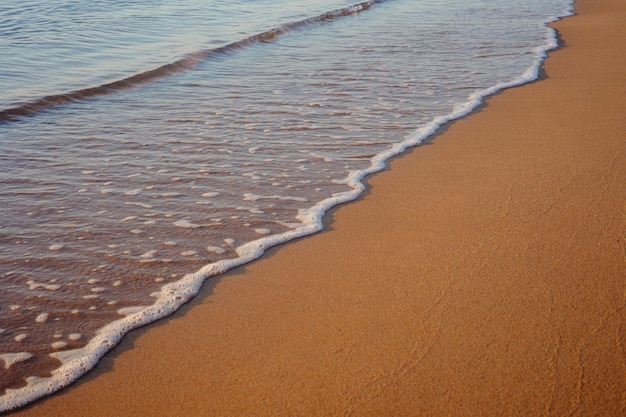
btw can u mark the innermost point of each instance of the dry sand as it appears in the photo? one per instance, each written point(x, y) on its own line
point(483, 274)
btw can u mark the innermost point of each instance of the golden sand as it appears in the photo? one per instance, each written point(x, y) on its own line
point(483, 274)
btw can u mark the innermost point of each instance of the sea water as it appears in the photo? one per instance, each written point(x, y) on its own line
point(147, 145)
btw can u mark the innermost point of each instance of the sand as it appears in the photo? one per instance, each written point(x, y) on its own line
point(482, 274)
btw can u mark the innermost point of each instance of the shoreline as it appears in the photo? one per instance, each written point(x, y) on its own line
point(353, 333)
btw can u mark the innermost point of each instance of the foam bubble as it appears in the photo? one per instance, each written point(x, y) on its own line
point(74, 336)
point(129, 218)
point(255, 197)
point(20, 337)
point(189, 253)
point(90, 297)
point(149, 255)
point(209, 195)
point(186, 224)
point(42, 318)
point(58, 345)
point(143, 205)
point(32, 285)
point(56, 247)
point(11, 359)
point(136, 191)
point(127, 311)
point(216, 249)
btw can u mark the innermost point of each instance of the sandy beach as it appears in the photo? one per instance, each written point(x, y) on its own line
point(482, 274)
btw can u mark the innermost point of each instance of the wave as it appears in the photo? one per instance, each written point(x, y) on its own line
point(171, 297)
point(187, 63)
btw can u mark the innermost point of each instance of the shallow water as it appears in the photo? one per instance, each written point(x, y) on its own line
point(175, 143)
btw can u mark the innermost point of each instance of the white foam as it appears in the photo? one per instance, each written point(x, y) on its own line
point(216, 249)
point(255, 197)
point(136, 191)
point(32, 285)
point(252, 210)
point(189, 253)
point(149, 255)
point(209, 195)
point(56, 247)
point(262, 231)
point(74, 336)
point(41, 318)
point(58, 345)
point(11, 359)
point(91, 297)
point(186, 224)
point(20, 337)
point(127, 311)
point(143, 205)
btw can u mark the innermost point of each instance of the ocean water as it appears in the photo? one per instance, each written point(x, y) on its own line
point(148, 145)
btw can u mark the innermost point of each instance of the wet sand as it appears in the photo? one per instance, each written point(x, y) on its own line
point(483, 274)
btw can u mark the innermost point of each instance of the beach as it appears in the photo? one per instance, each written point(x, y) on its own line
point(482, 273)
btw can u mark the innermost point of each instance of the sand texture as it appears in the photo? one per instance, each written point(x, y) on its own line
point(483, 274)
